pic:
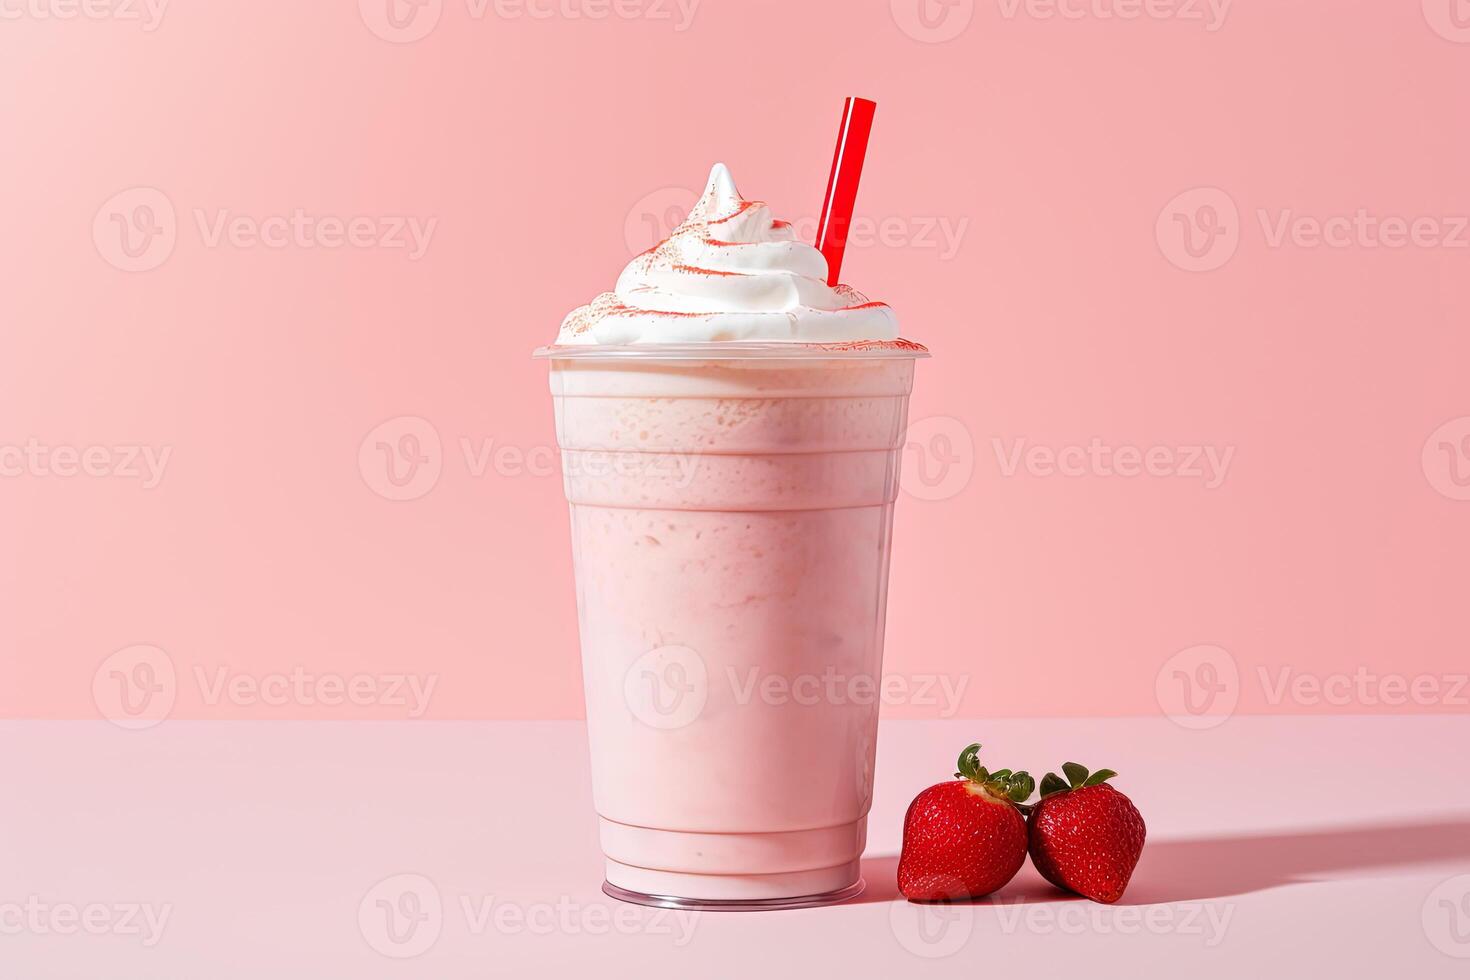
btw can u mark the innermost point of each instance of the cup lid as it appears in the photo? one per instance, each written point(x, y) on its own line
point(737, 350)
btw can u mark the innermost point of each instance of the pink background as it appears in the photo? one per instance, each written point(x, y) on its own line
point(1070, 308)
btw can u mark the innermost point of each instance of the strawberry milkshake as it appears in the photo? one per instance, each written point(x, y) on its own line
point(730, 428)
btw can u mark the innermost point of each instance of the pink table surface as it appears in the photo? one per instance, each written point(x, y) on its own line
point(221, 850)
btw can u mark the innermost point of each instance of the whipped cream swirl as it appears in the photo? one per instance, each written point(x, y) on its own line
point(730, 272)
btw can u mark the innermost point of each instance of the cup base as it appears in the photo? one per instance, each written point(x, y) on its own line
point(726, 884)
point(834, 897)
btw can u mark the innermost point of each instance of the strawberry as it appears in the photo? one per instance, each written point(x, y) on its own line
point(965, 838)
point(1085, 836)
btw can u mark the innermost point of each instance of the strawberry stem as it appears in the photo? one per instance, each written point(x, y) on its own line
point(1077, 778)
point(1014, 786)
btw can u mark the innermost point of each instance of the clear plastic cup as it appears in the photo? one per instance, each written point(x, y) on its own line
point(732, 511)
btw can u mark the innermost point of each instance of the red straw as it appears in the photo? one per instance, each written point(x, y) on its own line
point(847, 169)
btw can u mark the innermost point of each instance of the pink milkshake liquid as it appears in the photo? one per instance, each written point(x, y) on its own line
point(731, 511)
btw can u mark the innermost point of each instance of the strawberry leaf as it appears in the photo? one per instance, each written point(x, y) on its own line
point(1076, 775)
point(1001, 774)
point(969, 764)
point(1099, 777)
point(1021, 785)
point(1052, 783)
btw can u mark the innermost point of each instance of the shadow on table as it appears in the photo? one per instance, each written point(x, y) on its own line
point(1218, 867)
point(1187, 870)
point(1027, 888)
point(881, 875)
